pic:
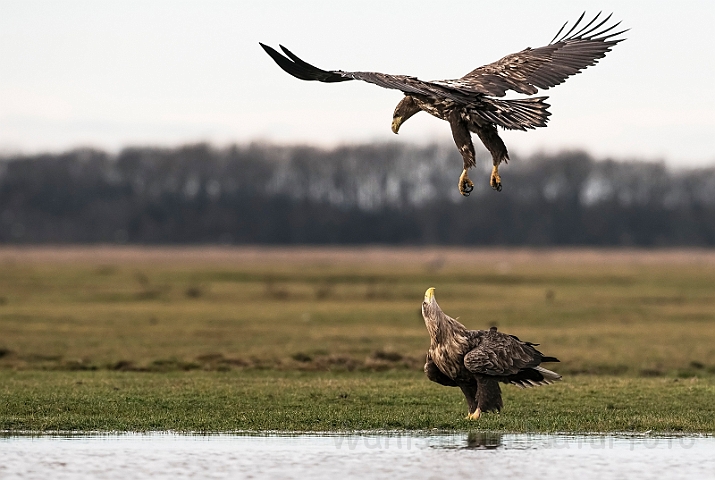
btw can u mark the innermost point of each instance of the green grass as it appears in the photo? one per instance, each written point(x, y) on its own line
point(611, 319)
point(318, 401)
point(123, 344)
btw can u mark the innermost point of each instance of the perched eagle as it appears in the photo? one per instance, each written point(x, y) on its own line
point(477, 360)
point(467, 103)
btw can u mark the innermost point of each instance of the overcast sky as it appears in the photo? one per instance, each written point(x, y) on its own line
point(111, 74)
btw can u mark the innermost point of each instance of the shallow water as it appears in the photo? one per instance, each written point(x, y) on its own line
point(370, 455)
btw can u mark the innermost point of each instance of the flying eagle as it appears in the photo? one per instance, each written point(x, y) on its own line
point(477, 360)
point(467, 103)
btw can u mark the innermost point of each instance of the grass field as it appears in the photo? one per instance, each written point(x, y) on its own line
point(251, 334)
point(320, 401)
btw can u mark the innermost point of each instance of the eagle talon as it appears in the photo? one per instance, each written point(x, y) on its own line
point(465, 184)
point(475, 416)
point(495, 180)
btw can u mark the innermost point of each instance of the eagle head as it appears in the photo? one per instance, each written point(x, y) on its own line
point(404, 110)
point(429, 295)
point(439, 325)
point(430, 309)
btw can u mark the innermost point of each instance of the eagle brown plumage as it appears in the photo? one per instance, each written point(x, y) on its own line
point(477, 360)
point(467, 103)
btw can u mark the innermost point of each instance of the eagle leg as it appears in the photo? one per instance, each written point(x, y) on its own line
point(495, 180)
point(488, 394)
point(470, 393)
point(490, 138)
point(463, 140)
point(465, 184)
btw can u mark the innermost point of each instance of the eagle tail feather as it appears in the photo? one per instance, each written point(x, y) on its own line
point(517, 114)
point(548, 374)
point(533, 377)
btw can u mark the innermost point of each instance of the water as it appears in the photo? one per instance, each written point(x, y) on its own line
point(370, 455)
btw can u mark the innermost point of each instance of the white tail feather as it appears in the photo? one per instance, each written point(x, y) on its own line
point(549, 376)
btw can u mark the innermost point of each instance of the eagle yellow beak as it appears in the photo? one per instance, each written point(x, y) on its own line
point(396, 122)
point(429, 295)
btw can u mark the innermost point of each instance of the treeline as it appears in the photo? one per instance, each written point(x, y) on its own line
point(384, 193)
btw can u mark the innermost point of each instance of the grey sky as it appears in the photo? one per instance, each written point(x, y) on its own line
point(110, 74)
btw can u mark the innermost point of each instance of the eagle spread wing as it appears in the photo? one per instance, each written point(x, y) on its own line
point(522, 72)
point(305, 71)
point(545, 67)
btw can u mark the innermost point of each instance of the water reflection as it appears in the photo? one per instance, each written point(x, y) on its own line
point(411, 440)
point(358, 455)
point(484, 440)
